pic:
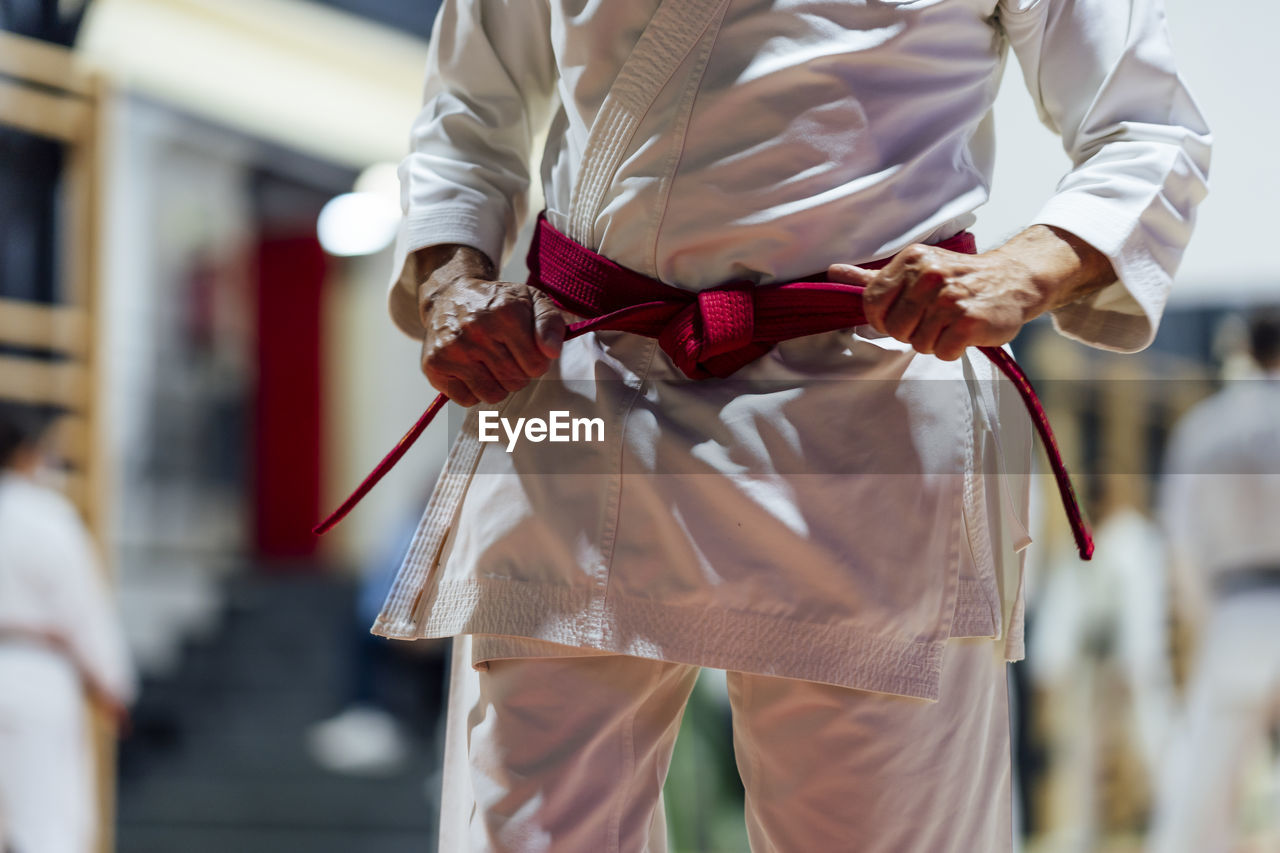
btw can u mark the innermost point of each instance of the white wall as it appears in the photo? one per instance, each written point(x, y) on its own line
point(305, 76)
point(173, 189)
point(1227, 53)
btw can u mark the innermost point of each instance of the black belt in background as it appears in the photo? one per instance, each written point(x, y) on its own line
point(1251, 579)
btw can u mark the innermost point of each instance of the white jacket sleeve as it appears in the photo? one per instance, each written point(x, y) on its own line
point(490, 85)
point(1103, 77)
point(88, 613)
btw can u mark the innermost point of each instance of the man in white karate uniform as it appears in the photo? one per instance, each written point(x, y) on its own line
point(1220, 499)
point(60, 647)
point(832, 525)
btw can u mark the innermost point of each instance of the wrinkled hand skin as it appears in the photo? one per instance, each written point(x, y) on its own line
point(942, 302)
point(484, 338)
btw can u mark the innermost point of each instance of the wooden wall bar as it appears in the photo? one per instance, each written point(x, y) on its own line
point(51, 352)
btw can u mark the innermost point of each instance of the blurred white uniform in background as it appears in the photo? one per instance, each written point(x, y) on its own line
point(1221, 510)
point(59, 636)
point(1098, 652)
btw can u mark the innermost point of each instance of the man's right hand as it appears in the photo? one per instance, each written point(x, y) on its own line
point(484, 338)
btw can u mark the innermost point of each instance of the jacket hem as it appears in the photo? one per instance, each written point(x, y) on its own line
point(812, 652)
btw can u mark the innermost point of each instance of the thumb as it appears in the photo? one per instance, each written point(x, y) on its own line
point(549, 325)
point(850, 274)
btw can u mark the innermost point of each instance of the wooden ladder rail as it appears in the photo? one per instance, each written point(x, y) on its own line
point(46, 93)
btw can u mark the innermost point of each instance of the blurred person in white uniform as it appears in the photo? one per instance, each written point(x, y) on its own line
point(61, 648)
point(839, 523)
point(1220, 505)
point(1098, 656)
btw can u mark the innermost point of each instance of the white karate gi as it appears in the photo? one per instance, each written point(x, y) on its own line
point(832, 512)
point(58, 630)
point(1220, 501)
point(1101, 631)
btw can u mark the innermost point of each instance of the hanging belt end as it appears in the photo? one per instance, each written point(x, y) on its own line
point(1084, 543)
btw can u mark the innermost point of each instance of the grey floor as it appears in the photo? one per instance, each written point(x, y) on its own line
point(218, 761)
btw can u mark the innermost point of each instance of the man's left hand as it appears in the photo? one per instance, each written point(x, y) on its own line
point(941, 301)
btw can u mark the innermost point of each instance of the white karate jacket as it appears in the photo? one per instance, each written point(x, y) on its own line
point(841, 507)
point(1220, 492)
point(51, 585)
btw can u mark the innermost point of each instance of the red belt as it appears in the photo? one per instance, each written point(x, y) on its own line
point(711, 333)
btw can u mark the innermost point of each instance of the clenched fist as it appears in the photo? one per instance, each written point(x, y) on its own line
point(484, 338)
point(941, 301)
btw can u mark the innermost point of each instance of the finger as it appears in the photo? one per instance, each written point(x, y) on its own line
point(482, 383)
point(879, 297)
point(481, 361)
point(507, 368)
point(471, 380)
point(526, 358)
point(549, 327)
point(452, 387)
point(850, 274)
point(455, 389)
point(876, 290)
point(521, 342)
point(953, 341)
point(495, 352)
point(914, 297)
point(931, 326)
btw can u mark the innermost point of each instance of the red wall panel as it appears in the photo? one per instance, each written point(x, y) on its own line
point(288, 402)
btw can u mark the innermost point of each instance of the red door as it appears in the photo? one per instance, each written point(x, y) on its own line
point(287, 424)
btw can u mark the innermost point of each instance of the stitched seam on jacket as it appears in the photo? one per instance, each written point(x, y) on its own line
point(816, 652)
point(684, 117)
point(609, 537)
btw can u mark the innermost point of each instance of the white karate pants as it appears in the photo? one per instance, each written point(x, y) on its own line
point(1233, 700)
point(568, 755)
point(46, 763)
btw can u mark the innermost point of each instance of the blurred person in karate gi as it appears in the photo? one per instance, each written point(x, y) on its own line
point(1098, 656)
point(61, 650)
point(1220, 502)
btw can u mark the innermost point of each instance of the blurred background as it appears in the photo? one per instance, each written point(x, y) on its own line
point(197, 202)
